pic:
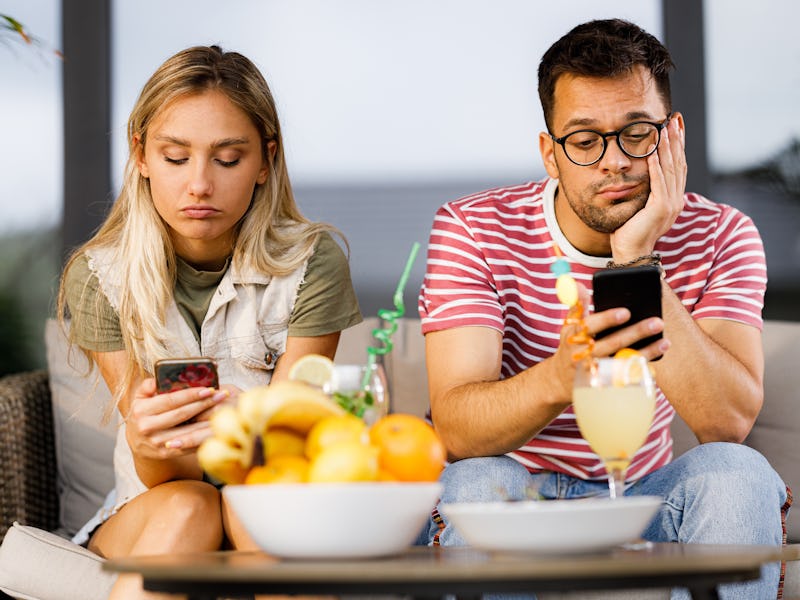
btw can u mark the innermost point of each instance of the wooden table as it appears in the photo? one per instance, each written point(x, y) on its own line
point(466, 572)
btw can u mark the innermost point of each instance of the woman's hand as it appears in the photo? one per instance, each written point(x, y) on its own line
point(233, 393)
point(162, 426)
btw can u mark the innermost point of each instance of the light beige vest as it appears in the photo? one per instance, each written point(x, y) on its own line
point(244, 330)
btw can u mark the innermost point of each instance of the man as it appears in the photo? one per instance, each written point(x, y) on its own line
point(500, 364)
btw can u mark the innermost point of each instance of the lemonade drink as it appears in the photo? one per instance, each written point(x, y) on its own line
point(614, 420)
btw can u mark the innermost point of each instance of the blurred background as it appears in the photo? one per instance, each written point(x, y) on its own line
point(389, 109)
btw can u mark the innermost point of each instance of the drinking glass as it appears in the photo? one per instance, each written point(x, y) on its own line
point(361, 389)
point(614, 402)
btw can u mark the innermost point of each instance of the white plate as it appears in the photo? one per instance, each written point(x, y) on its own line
point(553, 526)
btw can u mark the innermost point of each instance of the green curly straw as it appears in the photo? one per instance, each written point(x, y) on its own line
point(389, 316)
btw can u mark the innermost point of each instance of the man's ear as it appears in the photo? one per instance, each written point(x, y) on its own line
point(547, 148)
point(681, 123)
point(138, 151)
point(272, 148)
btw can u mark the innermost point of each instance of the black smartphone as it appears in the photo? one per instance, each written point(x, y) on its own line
point(180, 373)
point(636, 288)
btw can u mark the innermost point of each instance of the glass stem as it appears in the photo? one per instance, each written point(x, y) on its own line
point(616, 482)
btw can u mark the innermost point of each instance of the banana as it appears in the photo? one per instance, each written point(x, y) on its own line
point(223, 461)
point(239, 433)
point(228, 425)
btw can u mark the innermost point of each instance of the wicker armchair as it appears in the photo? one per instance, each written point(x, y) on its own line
point(28, 491)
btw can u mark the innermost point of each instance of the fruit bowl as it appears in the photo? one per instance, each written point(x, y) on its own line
point(333, 520)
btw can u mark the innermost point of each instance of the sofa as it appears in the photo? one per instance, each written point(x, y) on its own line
point(55, 449)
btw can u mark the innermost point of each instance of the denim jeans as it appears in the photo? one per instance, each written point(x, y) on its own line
point(717, 493)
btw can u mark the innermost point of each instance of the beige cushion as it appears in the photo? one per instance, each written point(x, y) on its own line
point(37, 565)
point(84, 447)
point(776, 433)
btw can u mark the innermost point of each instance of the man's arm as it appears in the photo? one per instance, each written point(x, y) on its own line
point(476, 413)
point(713, 373)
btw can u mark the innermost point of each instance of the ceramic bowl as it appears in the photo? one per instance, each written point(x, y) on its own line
point(553, 526)
point(330, 520)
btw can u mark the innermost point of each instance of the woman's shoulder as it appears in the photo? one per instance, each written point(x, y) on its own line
point(78, 268)
point(327, 247)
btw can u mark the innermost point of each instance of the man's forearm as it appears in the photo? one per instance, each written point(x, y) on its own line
point(496, 417)
point(711, 373)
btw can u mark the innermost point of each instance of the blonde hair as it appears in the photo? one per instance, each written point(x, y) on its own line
point(273, 237)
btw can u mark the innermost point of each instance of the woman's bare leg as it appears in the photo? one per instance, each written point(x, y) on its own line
point(171, 518)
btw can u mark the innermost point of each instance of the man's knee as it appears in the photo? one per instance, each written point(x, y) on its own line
point(484, 479)
point(733, 466)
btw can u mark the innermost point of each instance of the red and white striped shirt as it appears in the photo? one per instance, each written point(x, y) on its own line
point(489, 260)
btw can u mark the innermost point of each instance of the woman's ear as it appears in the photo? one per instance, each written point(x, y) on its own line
point(272, 148)
point(138, 151)
point(547, 148)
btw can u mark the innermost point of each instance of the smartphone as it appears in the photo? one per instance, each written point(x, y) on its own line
point(636, 288)
point(180, 373)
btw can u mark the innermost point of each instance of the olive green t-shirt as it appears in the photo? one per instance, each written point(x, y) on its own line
point(326, 301)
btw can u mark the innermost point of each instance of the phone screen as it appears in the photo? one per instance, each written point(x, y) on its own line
point(636, 288)
point(180, 373)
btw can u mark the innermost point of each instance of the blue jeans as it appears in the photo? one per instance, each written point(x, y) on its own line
point(717, 493)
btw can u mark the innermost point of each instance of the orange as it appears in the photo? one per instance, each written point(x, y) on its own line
point(280, 469)
point(628, 372)
point(344, 462)
point(334, 429)
point(409, 448)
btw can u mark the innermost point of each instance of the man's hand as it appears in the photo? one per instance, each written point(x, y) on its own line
point(667, 170)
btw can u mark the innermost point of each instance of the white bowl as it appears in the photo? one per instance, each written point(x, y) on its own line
point(333, 520)
point(553, 526)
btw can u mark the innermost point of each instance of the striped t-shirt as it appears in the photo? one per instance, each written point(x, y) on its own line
point(489, 260)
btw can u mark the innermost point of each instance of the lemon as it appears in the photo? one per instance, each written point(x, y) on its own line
point(313, 369)
point(280, 441)
point(334, 429)
point(345, 462)
point(566, 289)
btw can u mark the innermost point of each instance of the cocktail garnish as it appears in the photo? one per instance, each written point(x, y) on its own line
point(567, 292)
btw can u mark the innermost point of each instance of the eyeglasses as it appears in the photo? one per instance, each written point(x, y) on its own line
point(586, 146)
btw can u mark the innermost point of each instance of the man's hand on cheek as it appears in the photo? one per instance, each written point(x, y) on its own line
point(667, 171)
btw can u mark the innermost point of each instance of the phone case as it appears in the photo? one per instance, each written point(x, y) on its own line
point(180, 373)
point(636, 288)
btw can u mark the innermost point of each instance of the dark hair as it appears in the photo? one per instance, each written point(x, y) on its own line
point(603, 48)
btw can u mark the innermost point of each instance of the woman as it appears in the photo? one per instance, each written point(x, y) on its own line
point(203, 253)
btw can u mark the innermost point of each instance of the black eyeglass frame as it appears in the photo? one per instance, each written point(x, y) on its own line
point(603, 136)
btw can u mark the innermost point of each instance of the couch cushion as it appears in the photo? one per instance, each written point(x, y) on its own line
point(84, 446)
point(775, 433)
point(777, 430)
point(37, 565)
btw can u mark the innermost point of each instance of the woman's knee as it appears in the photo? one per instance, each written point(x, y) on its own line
point(190, 500)
point(192, 508)
point(175, 516)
